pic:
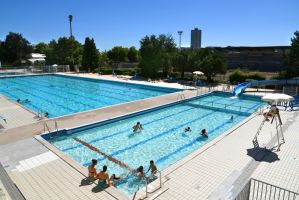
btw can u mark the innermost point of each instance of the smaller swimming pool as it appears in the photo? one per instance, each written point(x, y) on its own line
point(163, 138)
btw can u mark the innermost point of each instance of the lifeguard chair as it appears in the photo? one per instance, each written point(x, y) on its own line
point(273, 113)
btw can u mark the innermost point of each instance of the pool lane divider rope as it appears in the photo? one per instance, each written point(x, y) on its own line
point(118, 162)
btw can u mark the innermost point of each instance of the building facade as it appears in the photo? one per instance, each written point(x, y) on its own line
point(262, 58)
point(195, 39)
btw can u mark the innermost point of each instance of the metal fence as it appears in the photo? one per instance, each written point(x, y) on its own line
point(33, 69)
point(259, 190)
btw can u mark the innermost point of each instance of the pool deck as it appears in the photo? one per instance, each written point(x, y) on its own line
point(211, 172)
point(16, 115)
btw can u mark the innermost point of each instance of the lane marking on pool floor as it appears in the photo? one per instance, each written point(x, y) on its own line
point(121, 164)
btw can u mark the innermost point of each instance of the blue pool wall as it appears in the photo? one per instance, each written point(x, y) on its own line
point(65, 132)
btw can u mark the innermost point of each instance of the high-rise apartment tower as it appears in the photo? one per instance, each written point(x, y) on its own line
point(195, 39)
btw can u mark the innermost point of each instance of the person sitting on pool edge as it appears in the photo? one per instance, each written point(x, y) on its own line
point(103, 178)
point(188, 129)
point(92, 172)
point(137, 127)
point(204, 133)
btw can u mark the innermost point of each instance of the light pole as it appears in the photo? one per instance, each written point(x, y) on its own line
point(180, 36)
point(70, 20)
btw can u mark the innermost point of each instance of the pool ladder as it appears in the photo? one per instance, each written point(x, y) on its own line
point(46, 128)
point(146, 180)
point(181, 96)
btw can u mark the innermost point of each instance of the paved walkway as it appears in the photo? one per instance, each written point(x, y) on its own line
point(40, 174)
point(15, 115)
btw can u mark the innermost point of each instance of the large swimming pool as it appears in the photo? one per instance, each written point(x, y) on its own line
point(163, 138)
point(62, 95)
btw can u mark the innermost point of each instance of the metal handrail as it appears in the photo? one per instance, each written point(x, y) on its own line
point(46, 126)
point(145, 179)
point(256, 189)
point(181, 96)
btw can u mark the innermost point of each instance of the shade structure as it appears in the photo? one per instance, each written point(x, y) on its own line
point(198, 73)
point(277, 98)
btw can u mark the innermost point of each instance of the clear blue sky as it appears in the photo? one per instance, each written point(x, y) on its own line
point(125, 22)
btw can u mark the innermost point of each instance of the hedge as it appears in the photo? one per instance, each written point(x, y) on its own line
point(109, 71)
point(238, 76)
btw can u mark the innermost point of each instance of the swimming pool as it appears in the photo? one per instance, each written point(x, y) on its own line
point(163, 138)
point(62, 95)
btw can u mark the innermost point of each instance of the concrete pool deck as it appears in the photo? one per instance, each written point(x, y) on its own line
point(16, 115)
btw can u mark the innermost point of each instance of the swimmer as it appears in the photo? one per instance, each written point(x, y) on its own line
point(232, 118)
point(152, 167)
point(19, 101)
point(204, 133)
point(139, 171)
point(27, 101)
point(46, 115)
point(188, 129)
point(113, 179)
point(137, 127)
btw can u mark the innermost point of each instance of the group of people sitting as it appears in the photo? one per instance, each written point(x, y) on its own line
point(105, 181)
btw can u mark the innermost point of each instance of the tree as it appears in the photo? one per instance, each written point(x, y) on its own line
point(41, 48)
point(210, 62)
point(68, 51)
point(103, 58)
point(182, 61)
point(90, 57)
point(293, 57)
point(16, 48)
point(132, 54)
point(118, 54)
point(156, 54)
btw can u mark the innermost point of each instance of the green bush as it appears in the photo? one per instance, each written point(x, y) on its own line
point(256, 76)
point(109, 71)
point(238, 76)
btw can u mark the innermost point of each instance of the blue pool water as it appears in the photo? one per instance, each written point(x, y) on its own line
point(61, 95)
point(163, 138)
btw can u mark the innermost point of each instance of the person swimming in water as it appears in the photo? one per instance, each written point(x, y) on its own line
point(139, 171)
point(137, 127)
point(113, 179)
point(152, 167)
point(188, 129)
point(46, 115)
point(204, 133)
